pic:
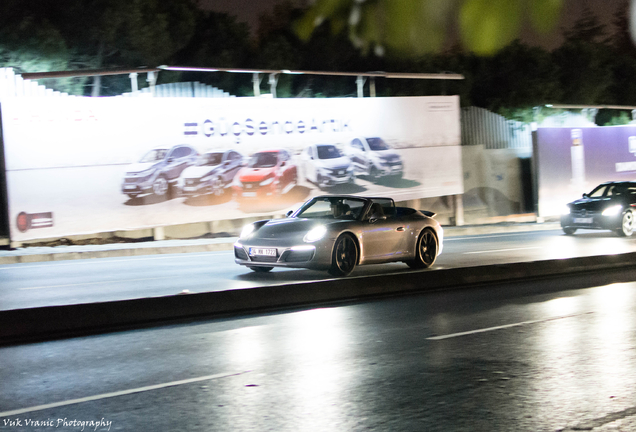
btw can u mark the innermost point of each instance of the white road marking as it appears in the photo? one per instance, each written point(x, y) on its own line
point(478, 237)
point(105, 260)
point(119, 393)
point(501, 250)
point(466, 333)
point(97, 283)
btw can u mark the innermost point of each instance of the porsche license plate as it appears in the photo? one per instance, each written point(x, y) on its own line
point(263, 252)
point(583, 220)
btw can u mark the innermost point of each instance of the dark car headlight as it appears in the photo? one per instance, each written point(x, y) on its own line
point(613, 210)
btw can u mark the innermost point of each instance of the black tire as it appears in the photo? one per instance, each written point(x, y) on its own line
point(344, 257)
point(627, 224)
point(160, 186)
point(569, 230)
point(218, 188)
point(261, 269)
point(425, 250)
point(374, 173)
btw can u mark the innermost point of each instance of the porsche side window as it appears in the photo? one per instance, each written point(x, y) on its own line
point(317, 209)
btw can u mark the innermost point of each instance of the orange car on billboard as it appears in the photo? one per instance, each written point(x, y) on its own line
point(267, 173)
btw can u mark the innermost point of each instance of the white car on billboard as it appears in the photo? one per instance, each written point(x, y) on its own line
point(213, 173)
point(325, 165)
point(375, 158)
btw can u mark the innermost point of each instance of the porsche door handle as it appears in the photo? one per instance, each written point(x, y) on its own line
point(400, 229)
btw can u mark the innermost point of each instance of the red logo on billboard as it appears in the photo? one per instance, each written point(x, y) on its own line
point(26, 221)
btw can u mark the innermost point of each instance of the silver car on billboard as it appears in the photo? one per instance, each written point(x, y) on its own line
point(339, 232)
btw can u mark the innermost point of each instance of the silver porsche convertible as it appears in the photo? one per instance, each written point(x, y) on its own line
point(337, 233)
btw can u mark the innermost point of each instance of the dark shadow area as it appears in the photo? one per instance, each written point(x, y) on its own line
point(496, 202)
point(345, 189)
point(592, 234)
point(398, 183)
point(208, 200)
point(298, 194)
point(146, 200)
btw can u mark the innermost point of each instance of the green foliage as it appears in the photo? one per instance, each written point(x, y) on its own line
point(411, 28)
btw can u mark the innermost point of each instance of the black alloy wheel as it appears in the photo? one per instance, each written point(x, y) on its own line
point(426, 250)
point(160, 186)
point(217, 186)
point(345, 256)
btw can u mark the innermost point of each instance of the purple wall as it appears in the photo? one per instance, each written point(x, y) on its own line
point(602, 149)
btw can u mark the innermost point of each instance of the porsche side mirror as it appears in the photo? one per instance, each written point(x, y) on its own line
point(584, 195)
point(289, 213)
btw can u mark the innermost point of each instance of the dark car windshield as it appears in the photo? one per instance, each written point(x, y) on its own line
point(263, 160)
point(332, 208)
point(328, 152)
point(154, 155)
point(597, 192)
point(377, 144)
point(210, 159)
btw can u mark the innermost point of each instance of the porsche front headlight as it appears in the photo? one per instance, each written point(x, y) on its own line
point(246, 231)
point(565, 210)
point(315, 234)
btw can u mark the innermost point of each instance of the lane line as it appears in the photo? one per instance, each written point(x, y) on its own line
point(119, 393)
point(478, 237)
point(97, 283)
point(501, 250)
point(484, 330)
point(106, 260)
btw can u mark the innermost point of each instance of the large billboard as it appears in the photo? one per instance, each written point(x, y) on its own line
point(571, 161)
point(90, 165)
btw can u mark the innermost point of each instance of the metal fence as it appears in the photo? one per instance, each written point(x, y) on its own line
point(480, 126)
point(12, 84)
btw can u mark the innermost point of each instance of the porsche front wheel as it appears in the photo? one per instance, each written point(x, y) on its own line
point(425, 250)
point(345, 256)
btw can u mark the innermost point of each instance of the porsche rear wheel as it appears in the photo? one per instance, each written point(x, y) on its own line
point(345, 256)
point(261, 269)
point(426, 250)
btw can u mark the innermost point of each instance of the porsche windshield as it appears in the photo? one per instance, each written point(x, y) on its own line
point(328, 152)
point(377, 144)
point(210, 159)
point(332, 208)
point(154, 155)
point(263, 160)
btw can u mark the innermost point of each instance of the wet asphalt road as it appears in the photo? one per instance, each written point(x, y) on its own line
point(107, 279)
point(551, 355)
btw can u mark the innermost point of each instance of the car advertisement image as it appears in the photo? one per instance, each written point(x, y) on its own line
point(112, 164)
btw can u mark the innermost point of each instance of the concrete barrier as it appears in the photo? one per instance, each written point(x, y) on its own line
point(35, 324)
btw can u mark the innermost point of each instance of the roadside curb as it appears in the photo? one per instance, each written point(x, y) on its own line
point(45, 323)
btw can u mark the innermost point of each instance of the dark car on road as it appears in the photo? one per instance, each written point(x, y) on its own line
point(213, 173)
point(158, 170)
point(610, 206)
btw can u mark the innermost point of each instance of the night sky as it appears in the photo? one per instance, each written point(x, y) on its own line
point(249, 10)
